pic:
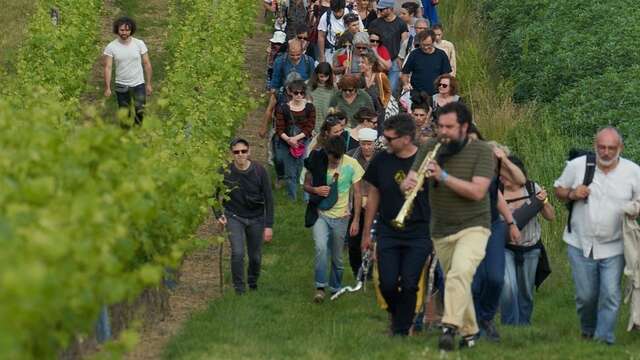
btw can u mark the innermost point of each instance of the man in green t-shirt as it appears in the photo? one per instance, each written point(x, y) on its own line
point(460, 215)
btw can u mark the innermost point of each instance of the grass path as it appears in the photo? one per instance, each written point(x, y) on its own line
point(281, 322)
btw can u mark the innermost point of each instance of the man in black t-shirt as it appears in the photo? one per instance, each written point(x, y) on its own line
point(393, 32)
point(402, 253)
point(425, 64)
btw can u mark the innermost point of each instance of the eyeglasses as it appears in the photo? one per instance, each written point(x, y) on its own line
point(238, 152)
point(298, 92)
point(303, 37)
point(390, 139)
point(349, 90)
point(421, 27)
point(444, 86)
point(361, 47)
point(375, 41)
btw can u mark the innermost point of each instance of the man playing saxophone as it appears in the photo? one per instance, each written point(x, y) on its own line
point(459, 180)
point(401, 252)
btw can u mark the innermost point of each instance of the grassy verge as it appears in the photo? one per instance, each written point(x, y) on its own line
point(281, 322)
point(14, 16)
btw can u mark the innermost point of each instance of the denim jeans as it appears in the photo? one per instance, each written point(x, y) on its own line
point(292, 168)
point(489, 276)
point(245, 231)
point(400, 263)
point(394, 77)
point(139, 95)
point(516, 301)
point(598, 293)
point(328, 235)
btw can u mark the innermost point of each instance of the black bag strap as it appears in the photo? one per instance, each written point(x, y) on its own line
point(589, 172)
point(530, 186)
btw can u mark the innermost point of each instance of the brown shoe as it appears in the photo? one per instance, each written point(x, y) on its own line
point(319, 296)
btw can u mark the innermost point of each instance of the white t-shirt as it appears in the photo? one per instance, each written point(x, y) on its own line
point(128, 61)
point(596, 224)
point(337, 27)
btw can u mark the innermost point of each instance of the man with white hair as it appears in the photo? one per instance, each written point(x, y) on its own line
point(597, 187)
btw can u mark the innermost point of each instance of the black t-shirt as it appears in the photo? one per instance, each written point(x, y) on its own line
point(386, 172)
point(390, 34)
point(425, 68)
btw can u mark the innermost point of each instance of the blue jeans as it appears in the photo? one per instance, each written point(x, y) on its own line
point(516, 302)
point(489, 276)
point(394, 77)
point(124, 94)
point(328, 235)
point(292, 168)
point(598, 293)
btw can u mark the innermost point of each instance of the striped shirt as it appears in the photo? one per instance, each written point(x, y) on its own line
point(450, 212)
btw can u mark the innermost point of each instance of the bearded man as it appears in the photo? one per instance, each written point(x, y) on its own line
point(594, 231)
point(459, 179)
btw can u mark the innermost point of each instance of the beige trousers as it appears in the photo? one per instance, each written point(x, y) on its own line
point(460, 254)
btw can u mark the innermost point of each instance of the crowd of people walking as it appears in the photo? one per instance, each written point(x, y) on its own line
point(364, 108)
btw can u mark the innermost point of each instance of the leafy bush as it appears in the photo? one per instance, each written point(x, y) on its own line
point(90, 214)
point(549, 46)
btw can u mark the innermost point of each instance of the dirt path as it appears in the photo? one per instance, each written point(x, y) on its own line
point(199, 274)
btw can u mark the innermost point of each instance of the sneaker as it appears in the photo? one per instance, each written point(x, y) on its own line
point(488, 329)
point(447, 338)
point(468, 341)
point(319, 296)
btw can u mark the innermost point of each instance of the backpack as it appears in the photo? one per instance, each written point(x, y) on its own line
point(527, 212)
point(327, 44)
point(589, 172)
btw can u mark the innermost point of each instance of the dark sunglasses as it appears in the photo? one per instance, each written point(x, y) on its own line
point(374, 41)
point(390, 139)
point(444, 86)
point(349, 90)
point(361, 47)
point(298, 92)
point(238, 152)
point(303, 37)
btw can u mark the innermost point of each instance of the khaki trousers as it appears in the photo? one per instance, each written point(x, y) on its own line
point(460, 254)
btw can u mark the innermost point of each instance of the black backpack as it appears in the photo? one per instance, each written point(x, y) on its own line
point(589, 172)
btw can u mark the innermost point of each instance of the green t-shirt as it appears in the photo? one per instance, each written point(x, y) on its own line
point(450, 212)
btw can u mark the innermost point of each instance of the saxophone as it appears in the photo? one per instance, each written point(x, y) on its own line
point(410, 196)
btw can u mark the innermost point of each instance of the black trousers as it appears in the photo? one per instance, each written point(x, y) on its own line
point(400, 262)
point(355, 252)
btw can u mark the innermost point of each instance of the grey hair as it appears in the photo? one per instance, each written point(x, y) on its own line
point(422, 20)
point(612, 129)
point(361, 38)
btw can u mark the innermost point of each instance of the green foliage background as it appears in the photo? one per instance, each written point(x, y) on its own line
point(90, 214)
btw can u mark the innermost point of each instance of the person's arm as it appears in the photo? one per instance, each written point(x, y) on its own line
point(503, 209)
point(446, 65)
point(267, 235)
point(373, 203)
point(563, 186)
point(405, 77)
point(148, 73)
point(385, 64)
point(508, 169)
point(268, 115)
point(548, 212)
point(452, 60)
point(357, 208)
point(321, 43)
point(314, 190)
point(108, 65)
point(276, 75)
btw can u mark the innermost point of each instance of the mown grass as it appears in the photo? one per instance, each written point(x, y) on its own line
point(281, 322)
